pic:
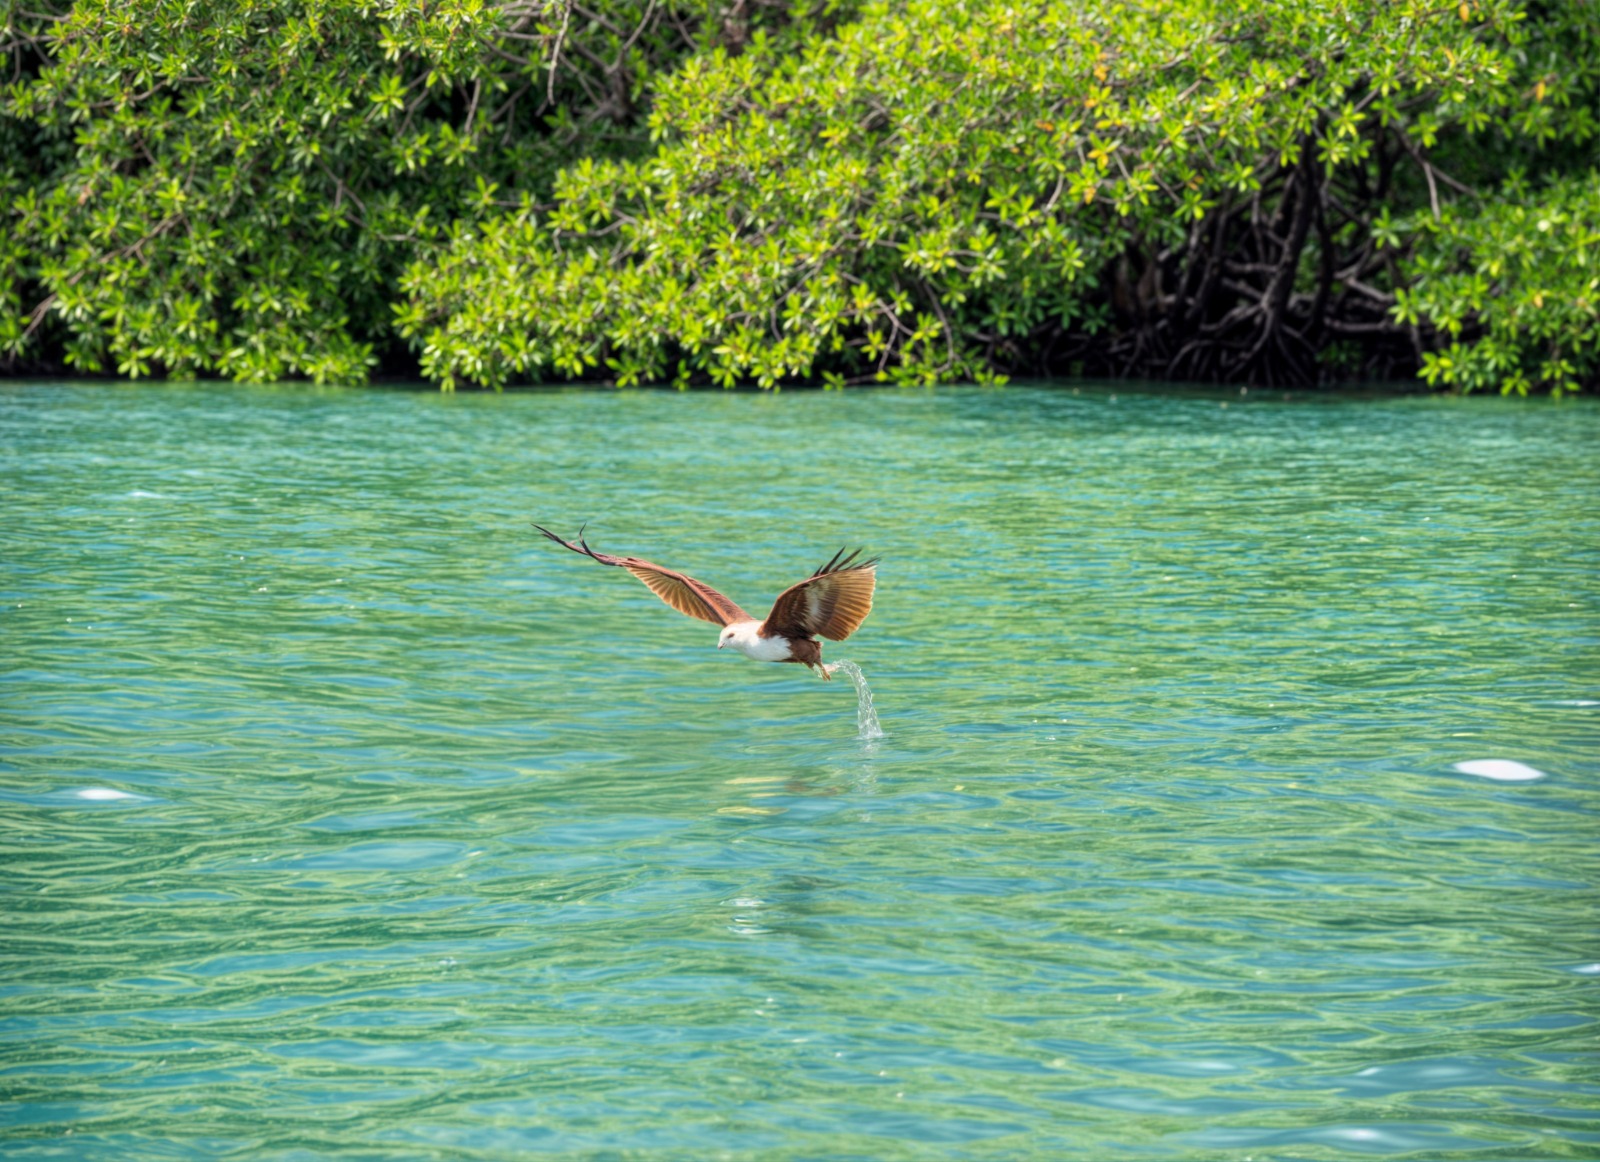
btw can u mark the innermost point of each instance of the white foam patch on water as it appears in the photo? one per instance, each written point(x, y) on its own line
point(1500, 770)
point(141, 494)
point(1577, 702)
point(867, 726)
point(103, 794)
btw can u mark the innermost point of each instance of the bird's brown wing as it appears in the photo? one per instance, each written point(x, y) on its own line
point(831, 603)
point(678, 590)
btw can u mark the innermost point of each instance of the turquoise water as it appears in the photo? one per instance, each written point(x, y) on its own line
point(345, 817)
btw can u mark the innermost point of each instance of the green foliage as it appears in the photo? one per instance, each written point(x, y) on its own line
point(1259, 190)
point(1514, 288)
point(236, 185)
point(943, 185)
point(1507, 285)
point(245, 177)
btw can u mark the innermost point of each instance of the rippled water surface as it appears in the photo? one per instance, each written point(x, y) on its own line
point(1237, 796)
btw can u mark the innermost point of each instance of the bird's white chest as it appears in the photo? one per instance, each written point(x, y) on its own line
point(762, 649)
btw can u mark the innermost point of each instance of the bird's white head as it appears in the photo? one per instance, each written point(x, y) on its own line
point(745, 636)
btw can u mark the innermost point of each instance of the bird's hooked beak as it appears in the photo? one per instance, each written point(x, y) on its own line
point(721, 641)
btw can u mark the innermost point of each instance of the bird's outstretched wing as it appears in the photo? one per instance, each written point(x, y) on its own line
point(678, 590)
point(832, 602)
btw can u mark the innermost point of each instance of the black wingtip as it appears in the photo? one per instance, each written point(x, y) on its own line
point(581, 547)
point(840, 562)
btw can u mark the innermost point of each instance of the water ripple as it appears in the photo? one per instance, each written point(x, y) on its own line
point(1234, 797)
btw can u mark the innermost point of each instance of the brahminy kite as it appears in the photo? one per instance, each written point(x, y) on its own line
point(832, 603)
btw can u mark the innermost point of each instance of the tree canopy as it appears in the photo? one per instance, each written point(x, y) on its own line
point(1259, 191)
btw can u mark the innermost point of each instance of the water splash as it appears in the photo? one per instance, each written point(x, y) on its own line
point(866, 717)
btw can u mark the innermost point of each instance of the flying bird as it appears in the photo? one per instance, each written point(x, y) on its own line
point(831, 603)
